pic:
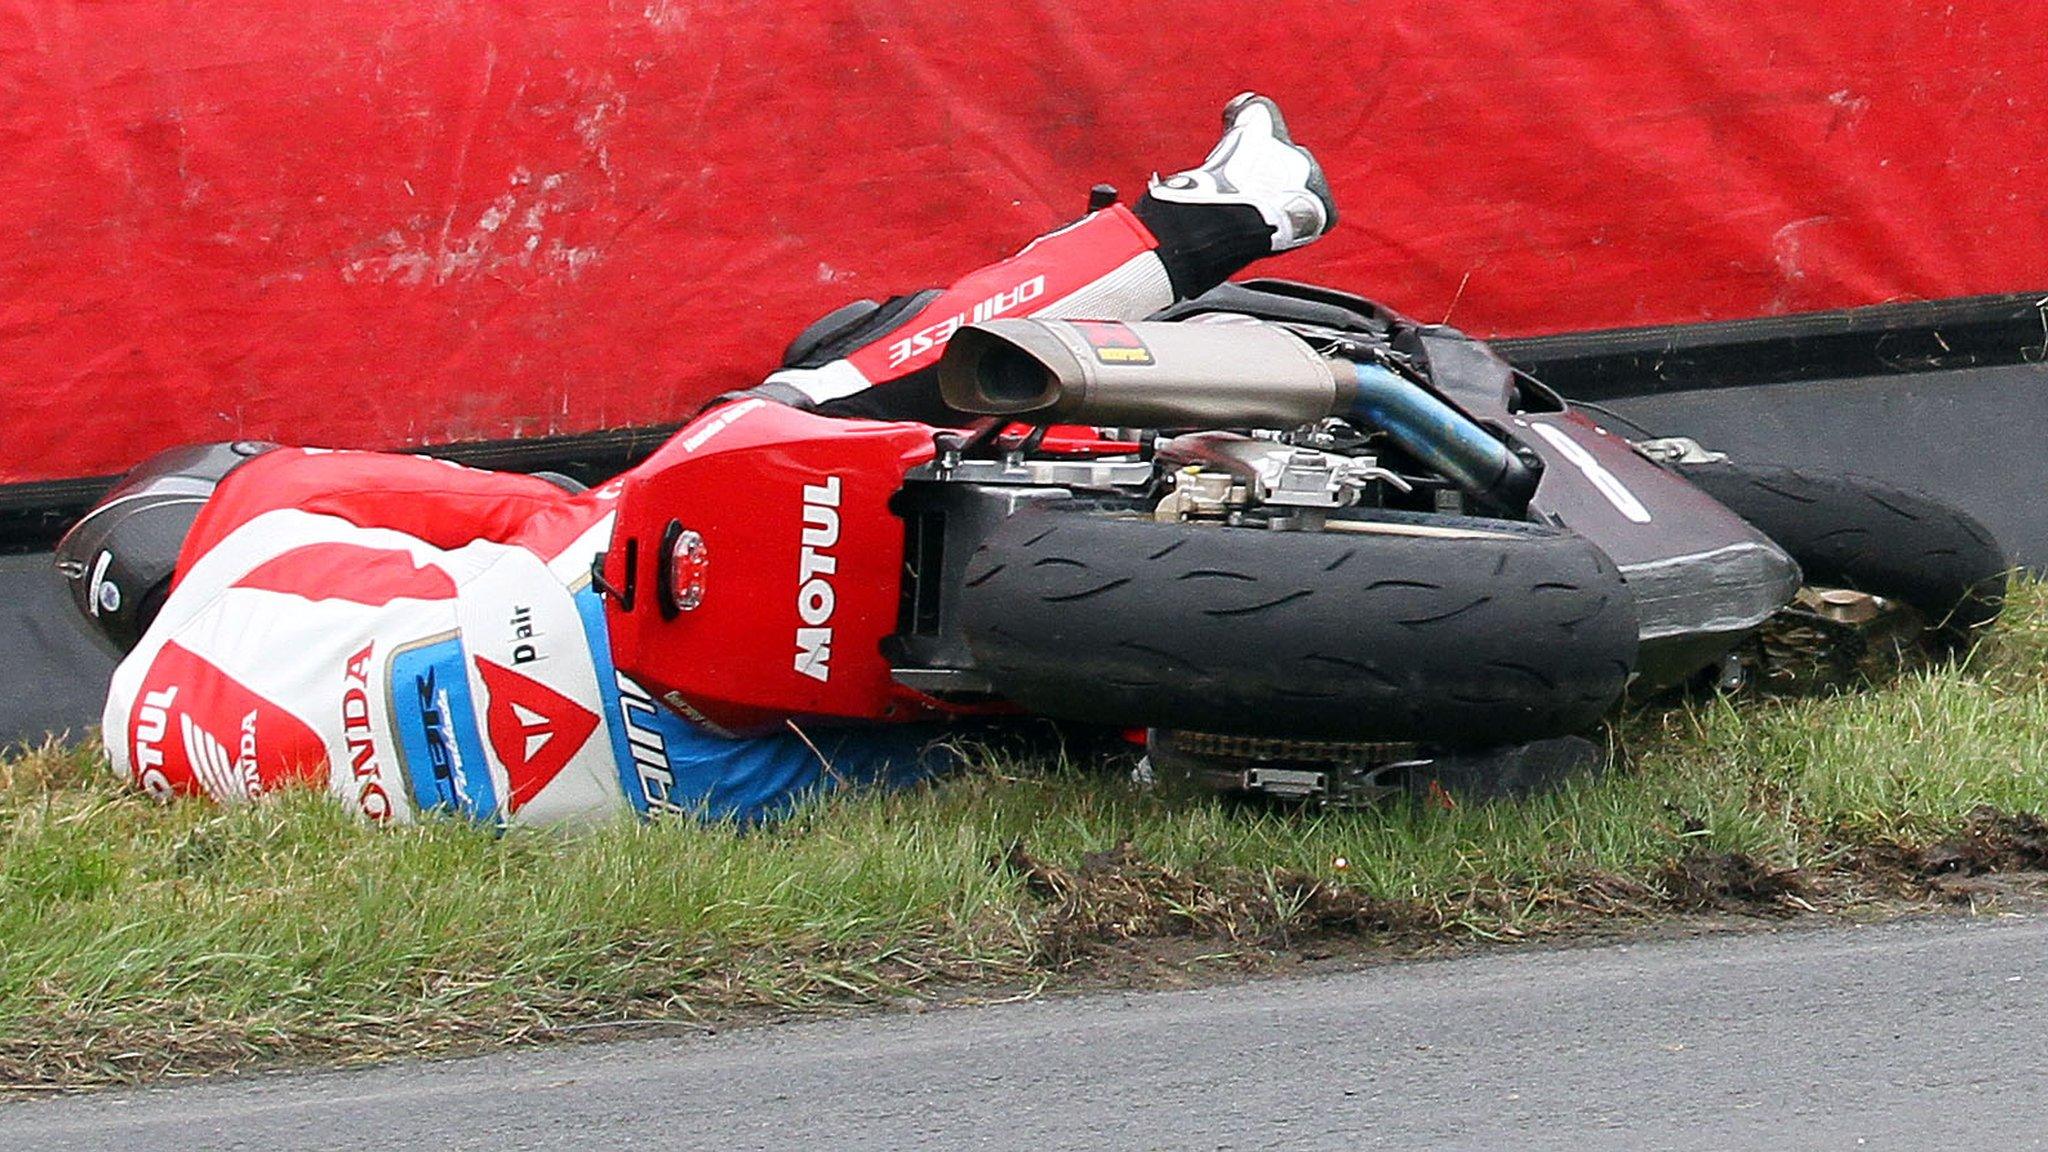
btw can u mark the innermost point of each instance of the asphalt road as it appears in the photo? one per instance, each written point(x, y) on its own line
point(1915, 1036)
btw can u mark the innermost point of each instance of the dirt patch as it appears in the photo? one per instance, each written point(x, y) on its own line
point(1116, 907)
point(1115, 899)
point(1117, 918)
point(1991, 841)
point(1734, 882)
point(1997, 858)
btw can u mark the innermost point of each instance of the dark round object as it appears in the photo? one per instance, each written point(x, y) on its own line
point(119, 558)
point(1854, 532)
point(1448, 630)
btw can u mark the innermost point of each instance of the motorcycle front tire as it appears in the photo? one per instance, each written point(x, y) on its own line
point(1849, 531)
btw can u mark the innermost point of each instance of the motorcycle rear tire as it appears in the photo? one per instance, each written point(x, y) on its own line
point(1850, 531)
point(1447, 630)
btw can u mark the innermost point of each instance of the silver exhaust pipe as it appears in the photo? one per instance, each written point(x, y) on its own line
point(1147, 374)
point(1158, 374)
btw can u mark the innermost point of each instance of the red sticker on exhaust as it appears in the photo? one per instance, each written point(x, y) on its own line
point(1113, 341)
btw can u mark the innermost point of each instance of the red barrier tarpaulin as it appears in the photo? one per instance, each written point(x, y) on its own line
point(360, 222)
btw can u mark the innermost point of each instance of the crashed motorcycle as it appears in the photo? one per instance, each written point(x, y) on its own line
point(1306, 544)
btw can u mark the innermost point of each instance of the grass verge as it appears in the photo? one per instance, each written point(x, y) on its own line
point(139, 941)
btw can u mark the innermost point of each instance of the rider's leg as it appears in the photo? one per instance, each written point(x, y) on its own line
point(1257, 193)
point(1102, 266)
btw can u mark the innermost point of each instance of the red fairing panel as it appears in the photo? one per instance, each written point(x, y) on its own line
point(366, 223)
point(803, 565)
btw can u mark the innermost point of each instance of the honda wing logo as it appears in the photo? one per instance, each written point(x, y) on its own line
point(224, 775)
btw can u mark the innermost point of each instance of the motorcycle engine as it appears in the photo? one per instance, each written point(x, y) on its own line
point(1287, 482)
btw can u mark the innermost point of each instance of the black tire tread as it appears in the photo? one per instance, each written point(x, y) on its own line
point(1851, 531)
point(1522, 635)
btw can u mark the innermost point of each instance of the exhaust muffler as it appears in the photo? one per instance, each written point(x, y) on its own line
point(1148, 374)
point(1236, 374)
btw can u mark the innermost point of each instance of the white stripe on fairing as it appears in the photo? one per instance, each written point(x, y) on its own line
point(827, 382)
point(1398, 528)
point(1133, 290)
point(1603, 481)
point(1694, 558)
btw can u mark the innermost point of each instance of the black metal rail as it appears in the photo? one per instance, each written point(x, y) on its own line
point(1881, 340)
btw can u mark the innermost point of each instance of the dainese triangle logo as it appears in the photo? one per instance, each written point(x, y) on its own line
point(534, 730)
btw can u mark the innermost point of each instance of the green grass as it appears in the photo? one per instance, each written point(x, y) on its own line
point(139, 940)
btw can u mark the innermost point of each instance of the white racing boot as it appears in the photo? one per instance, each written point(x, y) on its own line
point(1258, 165)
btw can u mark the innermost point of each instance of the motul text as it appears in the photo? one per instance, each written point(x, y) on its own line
point(814, 597)
point(152, 720)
